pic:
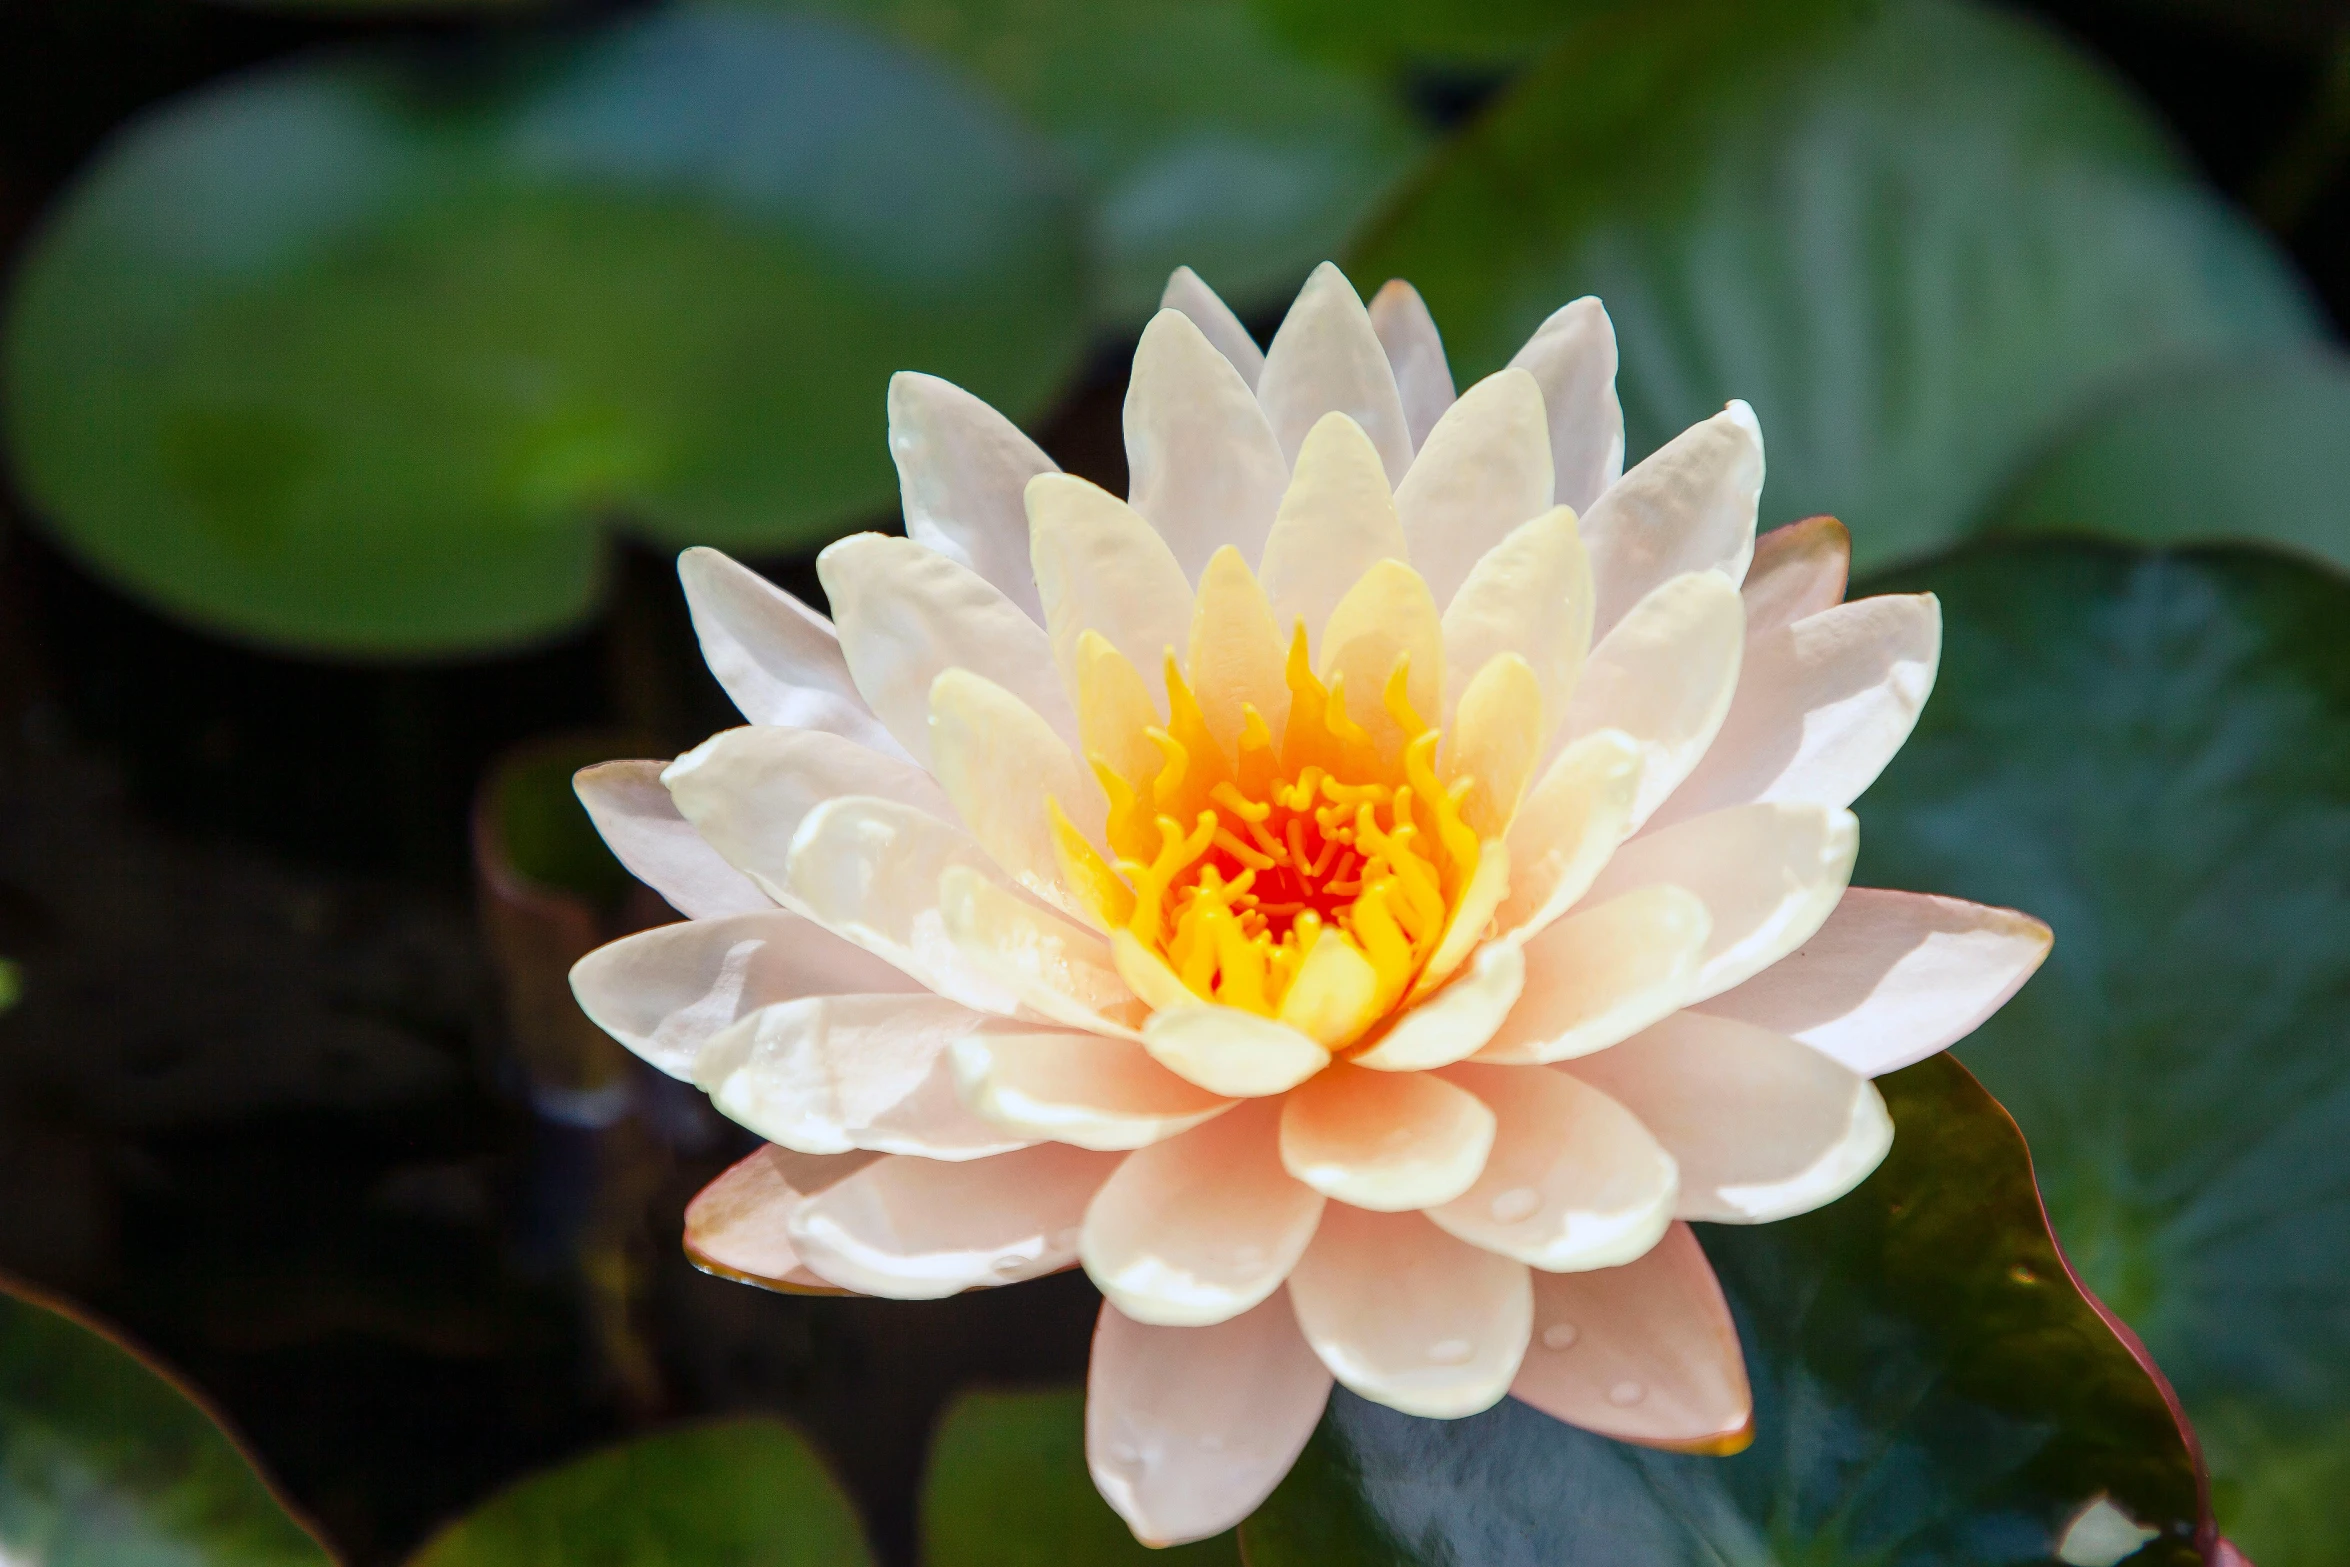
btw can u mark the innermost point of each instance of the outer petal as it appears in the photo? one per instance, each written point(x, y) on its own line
point(1530, 595)
point(1057, 969)
point(1202, 462)
point(1688, 507)
point(1483, 470)
point(1002, 766)
point(1798, 571)
point(1217, 323)
point(1100, 567)
point(1415, 352)
point(739, 1226)
point(1572, 356)
point(1822, 706)
point(1763, 1128)
point(918, 1229)
point(1602, 974)
point(1644, 1353)
point(1202, 1227)
point(1388, 1141)
point(1568, 827)
point(1666, 676)
point(827, 1074)
point(1337, 521)
point(1076, 1088)
point(1769, 875)
point(665, 993)
point(1892, 977)
point(1406, 1314)
point(907, 614)
point(1187, 1430)
point(1574, 1181)
point(779, 661)
point(642, 827)
point(1386, 616)
point(1327, 359)
point(961, 470)
point(1228, 1051)
point(1453, 1023)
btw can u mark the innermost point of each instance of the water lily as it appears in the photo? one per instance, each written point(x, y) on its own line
point(1358, 896)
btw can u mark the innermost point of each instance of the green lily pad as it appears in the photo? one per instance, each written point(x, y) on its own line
point(2151, 750)
point(1007, 1487)
point(747, 1492)
point(356, 353)
point(1920, 237)
point(105, 1461)
point(1931, 1390)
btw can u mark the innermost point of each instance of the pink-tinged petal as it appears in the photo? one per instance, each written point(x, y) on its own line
point(1688, 507)
point(1004, 768)
point(1572, 356)
point(665, 993)
point(1415, 352)
point(1892, 977)
point(1530, 595)
point(1603, 974)
point(1057, 968)
point(1188, 1429)
point(1079, 1088)
point(1455, 1022)
point(1201, 1227)
point(1763, 1128)
point(907, 614)
point(1226, 1050)
point(1207, 310)
point(827, 1074)
point(1769, 876)
point(1568, 828)
point(643, 829)
point(961, 470)
point(777, 659)
point(1666, 675)
point(1643, 1353)
point(1822, 706)
point(1387, 1141)
point(1482, 472)
point(1409, 1316)
point(1202, 464)
point(1327, 358)
point(919, 1229)
point(738, 1226)
point(1798, 571)
point(1100, 567)
point(1573, 1181)
point(1337, 521)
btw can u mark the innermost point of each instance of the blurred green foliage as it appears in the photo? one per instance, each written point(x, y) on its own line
point(544, 834)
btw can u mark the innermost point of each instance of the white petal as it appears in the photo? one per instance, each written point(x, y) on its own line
point(1201, 1227)
point(906, 614)
point(1405, 1314)
point(665, 993)
point(1187, 1430)
point(778, 660)
point(1892, 977)
point(961, 470)
point(920, 1229)
point(1481, 472)
point(1763, 1128)
point(1574, 1180)
point(1337, 521)
point(1666, 676)
point(1079, 1088)
point(1769, 875)
point(1057, 968)
point(1228, 1051)
point(1327, 359)
point(1388, 1141)
point(738, 1226)
point(1100, 567)
point(1602, 974)
point(1644, 1353)
point(1456, 1021)
point(1004, 768)
point(1822, 706)
point(1688, 507)
point(1201, 461)
point(641, 826)
point(827, 1074)
point(1570, 824)
point(1530, 595)
point(1415, 352)
point(1572, 356)
point(1217, 323)
point(1798, 570)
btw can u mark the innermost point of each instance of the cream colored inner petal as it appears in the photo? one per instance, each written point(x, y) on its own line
point(1530, 594)
point(1236, 655)
point(1076, 1088)
point(1385, 618)
point(1386, 1141)
point(1483, 470)
point(1495, 739)
point(1569, 827)
point(1101, 568)
point(1227, 1051)
point(1602, 974)
point(1115, 709)
point(1337, 521)
point(1456, 1021)
point(1000, 764)
point(1666, 676)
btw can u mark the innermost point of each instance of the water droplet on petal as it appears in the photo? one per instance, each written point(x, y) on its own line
point(1625, 1394)
point(1249, 1256)
point(1011, 1262)
point(1449, 1351)
point(1517, 1203)
point(1558, 1335)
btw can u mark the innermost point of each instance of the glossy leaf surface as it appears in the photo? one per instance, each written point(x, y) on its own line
point(1931, 1390)
point(2152, 752)
point(1920, 237)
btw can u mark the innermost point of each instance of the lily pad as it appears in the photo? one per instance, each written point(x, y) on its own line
point(105, 1461)
point(1931, 1390)
point(2151, 750)
point(1920, 237)
point(747, 1492)
point(357, 353)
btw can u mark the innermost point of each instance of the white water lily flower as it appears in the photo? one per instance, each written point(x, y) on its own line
point(1358, 896)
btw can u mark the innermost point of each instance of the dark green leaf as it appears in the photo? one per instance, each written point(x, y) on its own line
point(543, 834)
point(105, 1462)
point(748, 1492)
point(2152, 752)
point(1007, 1488)
point(1918, 238)
point(355, 352)
point(1931, 1390)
